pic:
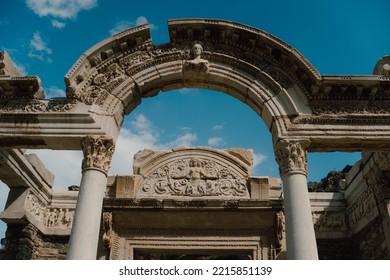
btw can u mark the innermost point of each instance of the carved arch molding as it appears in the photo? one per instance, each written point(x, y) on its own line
point(344, 113)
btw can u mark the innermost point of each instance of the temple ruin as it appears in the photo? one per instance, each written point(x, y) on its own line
point(196, 202)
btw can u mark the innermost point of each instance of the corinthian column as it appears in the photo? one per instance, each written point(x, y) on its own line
point(85, 230)
point(300, 236)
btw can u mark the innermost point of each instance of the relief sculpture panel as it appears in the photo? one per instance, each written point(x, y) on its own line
point(192, 174)
point(194, 177)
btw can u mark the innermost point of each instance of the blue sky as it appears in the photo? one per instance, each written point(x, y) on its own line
point(45, 37)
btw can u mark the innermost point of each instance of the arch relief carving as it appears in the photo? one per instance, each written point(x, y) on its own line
point(190, 173)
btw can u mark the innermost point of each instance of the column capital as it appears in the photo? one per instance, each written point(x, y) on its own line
point(291, 155)
point(98, 153)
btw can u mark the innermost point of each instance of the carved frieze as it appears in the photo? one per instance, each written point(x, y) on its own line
point(363, 210)
point(97, 153)
point(110, 77)
point(329, 221)
point(49, 217)
point(194, 177)
point(94, 94)
point(291, 156)
point(37, 105)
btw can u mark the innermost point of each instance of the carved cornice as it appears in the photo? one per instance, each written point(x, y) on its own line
point(291, 155)
point(27, 87)
point(97, 153)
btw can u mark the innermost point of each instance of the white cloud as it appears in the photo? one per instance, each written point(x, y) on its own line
point(142, 20)
point(58, 24)
point(39, 48)
point(64, 9)
point(54, 91)
point(217, 127)
point(215, 141)
point(120, 26)
point(258, 159)
point(125, 24)
point(21, 68)
point(184, 140)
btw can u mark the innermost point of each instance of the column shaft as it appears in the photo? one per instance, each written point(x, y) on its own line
point(84, 238)
point(300, 236)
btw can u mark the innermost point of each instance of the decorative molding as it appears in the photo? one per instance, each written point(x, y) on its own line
point(94, 94)
point(133, 203)
point(97, 153)
point(37, 105)
point(26, 87)
point(291, 155)
point(193, 231)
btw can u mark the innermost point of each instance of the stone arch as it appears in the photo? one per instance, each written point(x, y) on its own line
point(244, 62)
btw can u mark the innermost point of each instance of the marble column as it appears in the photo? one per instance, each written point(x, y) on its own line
point(300, 237)
point(84, 236)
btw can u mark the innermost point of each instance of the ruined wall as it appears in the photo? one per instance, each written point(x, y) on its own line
point(25, 242)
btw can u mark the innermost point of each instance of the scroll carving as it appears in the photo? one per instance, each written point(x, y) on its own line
point(97, 153)
point(194, 177)
point(196, 63)
point(291, 156)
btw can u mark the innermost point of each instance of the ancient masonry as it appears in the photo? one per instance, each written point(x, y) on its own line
point(196, 202)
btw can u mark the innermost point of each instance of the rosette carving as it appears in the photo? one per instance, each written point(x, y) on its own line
point(97, 153)
point(291, 156)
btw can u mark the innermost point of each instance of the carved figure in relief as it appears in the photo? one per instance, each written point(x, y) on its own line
point(197, 63)
point(68, 218)
point(195, 177)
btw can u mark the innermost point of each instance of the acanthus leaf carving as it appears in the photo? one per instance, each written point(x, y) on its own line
point(291, 155)
point(97, 153)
